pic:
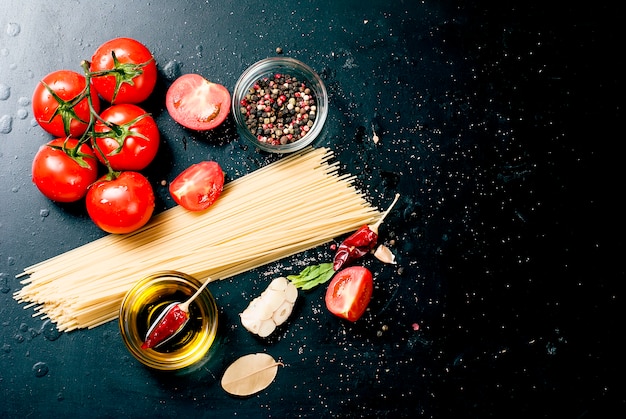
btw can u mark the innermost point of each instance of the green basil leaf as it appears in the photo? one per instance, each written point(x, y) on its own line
point(312, 276)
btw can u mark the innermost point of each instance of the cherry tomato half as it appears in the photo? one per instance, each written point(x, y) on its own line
point(58, 108)
point(135, 71)
point(121, 205)
point(198, 186)
point(133, 141)
point(61, 176)
point(196, 103)
point(349, 292)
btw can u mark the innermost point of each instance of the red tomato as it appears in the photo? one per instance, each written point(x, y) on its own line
point(135, 71)
point(134, 140)
point(63, 173)
point(121, 205)
point(198, 186)
point(197, 103)
point(58, 108)
point(350, 292)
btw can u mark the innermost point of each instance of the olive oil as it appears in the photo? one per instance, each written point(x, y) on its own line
point(146, 301)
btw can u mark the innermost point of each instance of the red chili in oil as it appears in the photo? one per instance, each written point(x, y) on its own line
point(166, 327)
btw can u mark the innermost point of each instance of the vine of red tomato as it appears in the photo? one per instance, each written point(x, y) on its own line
point(123, 137)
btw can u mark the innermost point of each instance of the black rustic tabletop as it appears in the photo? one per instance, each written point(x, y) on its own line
point(495, 124)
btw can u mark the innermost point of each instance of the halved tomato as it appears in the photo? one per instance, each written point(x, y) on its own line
point(196, 103)
point(349, 292)
point(198, 186)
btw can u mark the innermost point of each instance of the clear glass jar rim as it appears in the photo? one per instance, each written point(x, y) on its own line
point(129, 332)
point(274, 65)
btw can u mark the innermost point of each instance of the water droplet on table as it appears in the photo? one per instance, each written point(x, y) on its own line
point(40, 369)
point(4, 283)
point(171, 70)
point(50, 331)
point(5, 91)
point(6, 124)
point(13, 29)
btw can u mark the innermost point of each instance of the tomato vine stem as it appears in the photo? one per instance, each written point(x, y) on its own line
point(90, 133)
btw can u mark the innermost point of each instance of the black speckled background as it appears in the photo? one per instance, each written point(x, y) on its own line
point(497, 125)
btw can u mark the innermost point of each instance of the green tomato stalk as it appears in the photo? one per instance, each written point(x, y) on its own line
point(90, 133)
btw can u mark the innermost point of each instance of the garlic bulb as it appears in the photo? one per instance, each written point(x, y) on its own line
point(271, 309)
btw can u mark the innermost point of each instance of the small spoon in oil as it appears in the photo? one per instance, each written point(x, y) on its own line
point(171, 321)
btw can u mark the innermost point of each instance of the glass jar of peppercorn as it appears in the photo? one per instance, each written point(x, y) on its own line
point(280, 105)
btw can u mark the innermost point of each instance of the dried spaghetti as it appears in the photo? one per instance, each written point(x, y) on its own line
point(289, 206)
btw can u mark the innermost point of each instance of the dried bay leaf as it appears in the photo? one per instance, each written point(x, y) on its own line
point(250, 374)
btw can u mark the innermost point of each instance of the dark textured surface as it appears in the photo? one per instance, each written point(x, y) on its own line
point(497, 126)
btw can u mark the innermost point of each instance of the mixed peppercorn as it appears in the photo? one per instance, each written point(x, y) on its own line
point(279, 109)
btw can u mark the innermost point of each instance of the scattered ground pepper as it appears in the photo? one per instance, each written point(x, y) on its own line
point(280, 109)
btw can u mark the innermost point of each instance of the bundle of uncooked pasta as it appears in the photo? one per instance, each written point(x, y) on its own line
point(291, 205)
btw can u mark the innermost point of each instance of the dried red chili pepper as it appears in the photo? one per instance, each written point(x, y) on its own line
point(357, 245)
point(360, 242)
point(168, 324)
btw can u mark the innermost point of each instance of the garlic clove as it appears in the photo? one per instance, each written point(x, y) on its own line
point(273, 299)
point(291, 293)
point(383, 254)
point(248, 312)
point(266, 328)
point(251, 323)
point(282, 313)
point(260, 309)
point(279, 284)
point(254, 302)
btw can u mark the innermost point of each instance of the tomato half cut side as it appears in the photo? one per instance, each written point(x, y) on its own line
point(198, 186)
point(196, 103)
point(350, 292)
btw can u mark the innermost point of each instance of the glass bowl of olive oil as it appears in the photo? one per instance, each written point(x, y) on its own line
point(143, 304)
